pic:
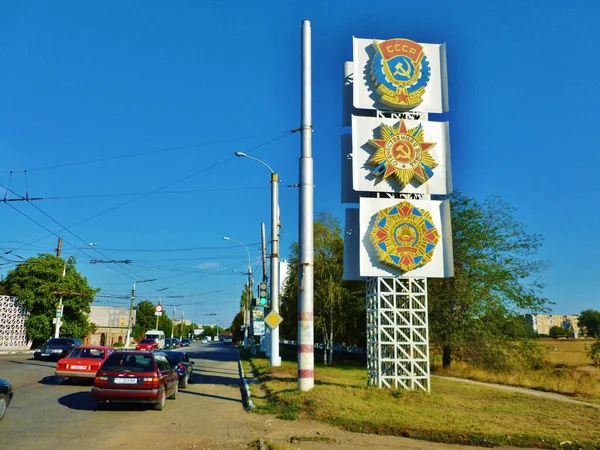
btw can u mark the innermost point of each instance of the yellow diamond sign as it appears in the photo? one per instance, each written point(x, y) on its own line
point(273, 319)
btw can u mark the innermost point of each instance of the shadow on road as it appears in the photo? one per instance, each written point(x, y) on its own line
point(81, 401)
point(219, 397)
point(201, 377)
point(51, 380)
point(53, 365)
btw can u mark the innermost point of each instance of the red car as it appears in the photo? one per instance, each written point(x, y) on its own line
point(136, 377)
point(82, 362)
point(147, 344)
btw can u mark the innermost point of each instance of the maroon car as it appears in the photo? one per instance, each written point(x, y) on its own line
point(136, 377)
point(147, 344)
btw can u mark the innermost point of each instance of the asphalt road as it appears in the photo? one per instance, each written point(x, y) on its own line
point(48, 415)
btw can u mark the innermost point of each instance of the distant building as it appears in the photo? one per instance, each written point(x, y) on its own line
point(541, 323)
point(111, 325)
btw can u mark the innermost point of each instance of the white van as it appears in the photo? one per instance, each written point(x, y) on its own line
point(158, 336)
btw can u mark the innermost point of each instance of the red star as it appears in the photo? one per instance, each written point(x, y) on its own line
point(402, 97)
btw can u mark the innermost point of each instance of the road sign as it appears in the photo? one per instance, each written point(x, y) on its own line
point(273, 320)
point(158, 313)
point(158, 308)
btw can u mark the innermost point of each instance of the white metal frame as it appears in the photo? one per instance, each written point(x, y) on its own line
point(397, 333)
point(12, 324)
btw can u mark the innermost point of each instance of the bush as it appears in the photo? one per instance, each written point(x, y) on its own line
point(119, 344)
point(594, 353)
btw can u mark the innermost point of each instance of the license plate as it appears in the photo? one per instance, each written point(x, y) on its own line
point(79, 367)
point(125, 380)
point(45, 354)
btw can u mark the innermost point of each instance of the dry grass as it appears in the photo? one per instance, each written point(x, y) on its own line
point(452, 412)
point(567, 371)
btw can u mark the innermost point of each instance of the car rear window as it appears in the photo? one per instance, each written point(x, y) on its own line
point(58, 341)
point(87, 353)
point(174, 356)
point(147, 341)
point(129, 363)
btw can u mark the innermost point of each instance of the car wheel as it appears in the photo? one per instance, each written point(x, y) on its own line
point(173, 396)
point(161, 402)
point(3, 404)
point(184, 382)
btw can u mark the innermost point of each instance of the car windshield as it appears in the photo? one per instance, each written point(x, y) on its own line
point(123, 362)
point(58, 341)
point(97, 353)
point(147, 341)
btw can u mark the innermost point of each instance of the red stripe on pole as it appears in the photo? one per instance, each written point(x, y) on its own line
point(306, 348)
point(306, 373)
point(306, 316)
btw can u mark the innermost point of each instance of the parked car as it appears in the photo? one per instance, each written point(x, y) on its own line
point(147, 344)
point(169, 344)
point(82, 362)
point(136, 377)
point(56, 348)
point(204, 340)
point(184, 366)
point(186, 342)
point(6, 395)
point(177, 343)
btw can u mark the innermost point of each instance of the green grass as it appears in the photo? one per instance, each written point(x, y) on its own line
point(453, 412)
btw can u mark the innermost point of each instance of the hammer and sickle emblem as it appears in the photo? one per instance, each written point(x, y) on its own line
point(401, 70)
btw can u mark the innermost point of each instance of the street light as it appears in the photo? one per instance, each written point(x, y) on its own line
point(59, 310)
point(249, 273)
point(275, 360)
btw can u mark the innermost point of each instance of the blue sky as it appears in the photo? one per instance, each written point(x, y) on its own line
point(129, 113)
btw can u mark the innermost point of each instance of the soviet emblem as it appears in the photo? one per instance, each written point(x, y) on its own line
point(402, 152)
point(404, 236)
point(400, 71)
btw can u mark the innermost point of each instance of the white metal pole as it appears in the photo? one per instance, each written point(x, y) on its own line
point(275, 359)
point(128, 340)
point(306, 355)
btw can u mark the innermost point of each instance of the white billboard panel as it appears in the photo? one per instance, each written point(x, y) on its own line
point(400, 75)
point(416, 234)
point(414, 159)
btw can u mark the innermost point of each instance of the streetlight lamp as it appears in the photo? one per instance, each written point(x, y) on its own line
point(275, 360)
point(249, 273)
point(131, 309)
point(59, 310)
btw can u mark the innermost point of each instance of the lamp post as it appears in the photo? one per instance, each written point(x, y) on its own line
point(249, 273)
point(275, 360)
point(59, 310)
point(131, 309)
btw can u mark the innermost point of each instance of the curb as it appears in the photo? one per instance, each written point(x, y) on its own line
point(16, 352)
point(247, 400)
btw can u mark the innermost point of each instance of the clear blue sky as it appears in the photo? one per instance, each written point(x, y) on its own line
point(184, 85)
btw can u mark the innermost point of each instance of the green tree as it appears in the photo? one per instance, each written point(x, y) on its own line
point(557, 332)
point(38, 282)
point(590, 320)
point(339, 306)
point(144, 319)
point(473, 316)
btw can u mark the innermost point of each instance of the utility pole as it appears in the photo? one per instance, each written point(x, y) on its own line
point(59, 247)
point(181, 336)
point(306, 339)
point(264, 251)
point(173, 323)
point(275, 360)
point(127, 341)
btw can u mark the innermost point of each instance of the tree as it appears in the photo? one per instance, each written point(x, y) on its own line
point(145, 319)
point(474, 315)
point(557, 332)
point(590, 320)
point(338, 305)
point(38, 282)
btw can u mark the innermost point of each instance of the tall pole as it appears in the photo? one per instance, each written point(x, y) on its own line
point(173, 323)
point(275, 360)
point(127, 341)
point(306, 355)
